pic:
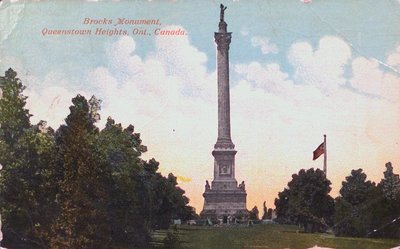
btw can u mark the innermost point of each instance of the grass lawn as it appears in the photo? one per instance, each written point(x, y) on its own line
point(270, 236)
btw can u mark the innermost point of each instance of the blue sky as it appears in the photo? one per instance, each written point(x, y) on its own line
point(372, 32)
point(298, 71)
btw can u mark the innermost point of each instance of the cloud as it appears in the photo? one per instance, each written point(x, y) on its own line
point(394, 58)
point(9, 18)
point(49, 101)
point(265, 45)
point(366, 76)
point(322, 67)
point(369, 78)
point(268, 77)
point(178, 57)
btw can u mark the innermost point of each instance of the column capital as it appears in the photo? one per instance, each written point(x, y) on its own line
point(223, 40)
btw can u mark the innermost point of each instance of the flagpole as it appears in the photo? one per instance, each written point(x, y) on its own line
point(325, 155)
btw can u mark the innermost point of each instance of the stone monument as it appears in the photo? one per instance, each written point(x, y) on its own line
point(224, 199)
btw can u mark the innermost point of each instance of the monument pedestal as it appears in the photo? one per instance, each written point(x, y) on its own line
point(224, 198)
point(220, 204)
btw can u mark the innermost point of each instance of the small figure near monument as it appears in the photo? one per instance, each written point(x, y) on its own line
point(207, 185)
point(242, 186)
point(223, 8)
point(265, 214)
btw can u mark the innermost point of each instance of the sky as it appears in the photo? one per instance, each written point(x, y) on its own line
point(297, 71)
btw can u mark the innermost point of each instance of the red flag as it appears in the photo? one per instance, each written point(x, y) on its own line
point(319, 151)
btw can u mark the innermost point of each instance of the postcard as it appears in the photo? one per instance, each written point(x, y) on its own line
point(200, 124)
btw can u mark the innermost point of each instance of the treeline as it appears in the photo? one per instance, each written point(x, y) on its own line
point(363, 208)
point(78, 186)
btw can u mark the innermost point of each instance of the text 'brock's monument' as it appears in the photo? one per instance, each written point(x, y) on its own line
point(224, 197)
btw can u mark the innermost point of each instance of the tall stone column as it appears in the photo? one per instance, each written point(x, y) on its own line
point(224, 153)
point(223, 39)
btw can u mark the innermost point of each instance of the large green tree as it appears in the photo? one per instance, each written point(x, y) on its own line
point(355, 208)
point(306, 200)
point(26, 197)
point(170, 201)
point(161, 197)
point(85, 182)
point(121, 149)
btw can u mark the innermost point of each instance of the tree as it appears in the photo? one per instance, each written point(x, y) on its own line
point(306, 200)
point(26, 151)
point(254, 213)
point(165, 199)
point(84, 186)
point(177, 200)
point(390, 186)
point(121, 149)
point(389, 189)
point(142, 199)
point(356, 206)
point(282, 206)
point(14, 118)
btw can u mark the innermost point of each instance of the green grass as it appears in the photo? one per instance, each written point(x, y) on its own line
point(269, 236)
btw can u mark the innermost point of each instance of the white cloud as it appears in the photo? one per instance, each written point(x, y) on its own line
point(366, 76)
point(48, 101)
point(369, 77)
point(265, 45)
point(268, 77)
point(394, 58)
point(178, 57)
point(9, 18)
point(322, 67)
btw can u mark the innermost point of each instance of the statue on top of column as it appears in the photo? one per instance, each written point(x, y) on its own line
point(223, 8)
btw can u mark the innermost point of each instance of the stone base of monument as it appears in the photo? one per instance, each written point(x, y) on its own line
point(225, 205)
